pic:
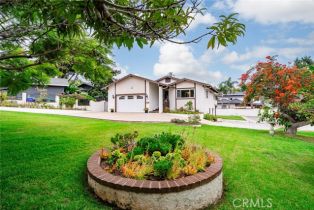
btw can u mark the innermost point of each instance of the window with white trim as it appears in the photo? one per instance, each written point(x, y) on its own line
point(206, 93)
point(121, 97)
point(185, 93)
point(130, 97)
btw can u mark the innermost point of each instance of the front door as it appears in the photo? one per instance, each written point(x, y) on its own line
point(165, 100)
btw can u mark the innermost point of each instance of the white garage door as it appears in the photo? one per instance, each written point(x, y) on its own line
point(130, 103)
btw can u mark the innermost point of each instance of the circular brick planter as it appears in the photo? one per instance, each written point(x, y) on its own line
point(191, 192)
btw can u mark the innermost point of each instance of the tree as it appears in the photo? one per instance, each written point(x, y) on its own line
point(83, 56)
point(305, 61)
point(35, 35)
point(227, 86)
point(288, 89)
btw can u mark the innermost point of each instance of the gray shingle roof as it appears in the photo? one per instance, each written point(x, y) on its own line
point(58, 82)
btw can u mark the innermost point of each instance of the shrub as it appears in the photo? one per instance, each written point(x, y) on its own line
point(125, 141)
point(9, 104)
point(136, 151)
point(190, 170)
point(3, 96)
point(164, 142)
point(67, 101)
point(178, 121)
point(184, 111)
point(189, 105)
point(210, 117)
point(162, 166)
point(162, 156)
point(194, 119)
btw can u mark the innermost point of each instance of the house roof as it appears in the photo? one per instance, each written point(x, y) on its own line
point(167, 76)
point(58, 82)
point(233, 94)
point(128, 76)
point(195, 81)
point(227, 101)
point(157, 81)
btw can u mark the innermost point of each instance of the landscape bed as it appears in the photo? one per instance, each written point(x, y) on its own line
point(157, 172)
point(206, 188)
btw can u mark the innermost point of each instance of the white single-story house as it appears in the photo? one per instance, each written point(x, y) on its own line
point(133, 93)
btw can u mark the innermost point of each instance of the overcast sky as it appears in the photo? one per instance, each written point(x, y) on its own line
point(273, 27)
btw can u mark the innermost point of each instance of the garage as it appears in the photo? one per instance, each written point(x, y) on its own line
point(130, 103)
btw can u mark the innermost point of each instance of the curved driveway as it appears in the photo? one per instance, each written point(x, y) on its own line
point(150, 117)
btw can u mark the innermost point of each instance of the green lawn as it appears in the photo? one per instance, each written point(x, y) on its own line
point(230, 117)
point(43, 161)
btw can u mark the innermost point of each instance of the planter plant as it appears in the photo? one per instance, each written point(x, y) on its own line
point(163, 156)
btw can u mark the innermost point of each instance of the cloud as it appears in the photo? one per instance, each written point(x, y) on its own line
point(257, 52)
point(179, 60)
point(199, 19)
point(223, 4)
point(260, 52)
point(306, 41)
point(123, 71)
point(276, 11)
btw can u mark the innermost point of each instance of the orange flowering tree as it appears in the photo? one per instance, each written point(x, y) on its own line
point(288, 89)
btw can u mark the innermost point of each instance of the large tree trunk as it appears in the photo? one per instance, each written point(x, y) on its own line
point(292, 130)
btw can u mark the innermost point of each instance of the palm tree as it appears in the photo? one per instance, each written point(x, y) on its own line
point(227, 86)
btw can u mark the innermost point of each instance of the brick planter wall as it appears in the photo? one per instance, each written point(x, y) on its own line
point(191, 192)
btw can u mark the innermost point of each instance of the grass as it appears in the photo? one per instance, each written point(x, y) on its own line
point(43, 161)
point(230, 117)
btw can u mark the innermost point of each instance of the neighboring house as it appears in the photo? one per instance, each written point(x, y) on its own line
point(231, 100)
point(54, 88)
point(135, 94)
point(234, 100)
point(85, 86)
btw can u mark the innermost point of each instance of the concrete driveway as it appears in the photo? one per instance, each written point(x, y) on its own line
point(133, 117)
point(150, 117)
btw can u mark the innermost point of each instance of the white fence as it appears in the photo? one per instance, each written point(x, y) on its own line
point(98, 106)
point(242, 112)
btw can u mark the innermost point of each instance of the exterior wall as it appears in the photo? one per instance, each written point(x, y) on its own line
point(185, 85)
point(203, 104)
point(111, 100)
point(153, 96)
point(131, 85)
point(182, 101)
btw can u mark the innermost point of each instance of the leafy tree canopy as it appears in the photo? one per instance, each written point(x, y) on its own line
point(74, 56)
point(305, 61)
point(40, 39)
point(289, 89)
point(227, 86)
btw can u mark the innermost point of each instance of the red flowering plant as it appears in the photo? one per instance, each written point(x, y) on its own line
point(288, 89)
